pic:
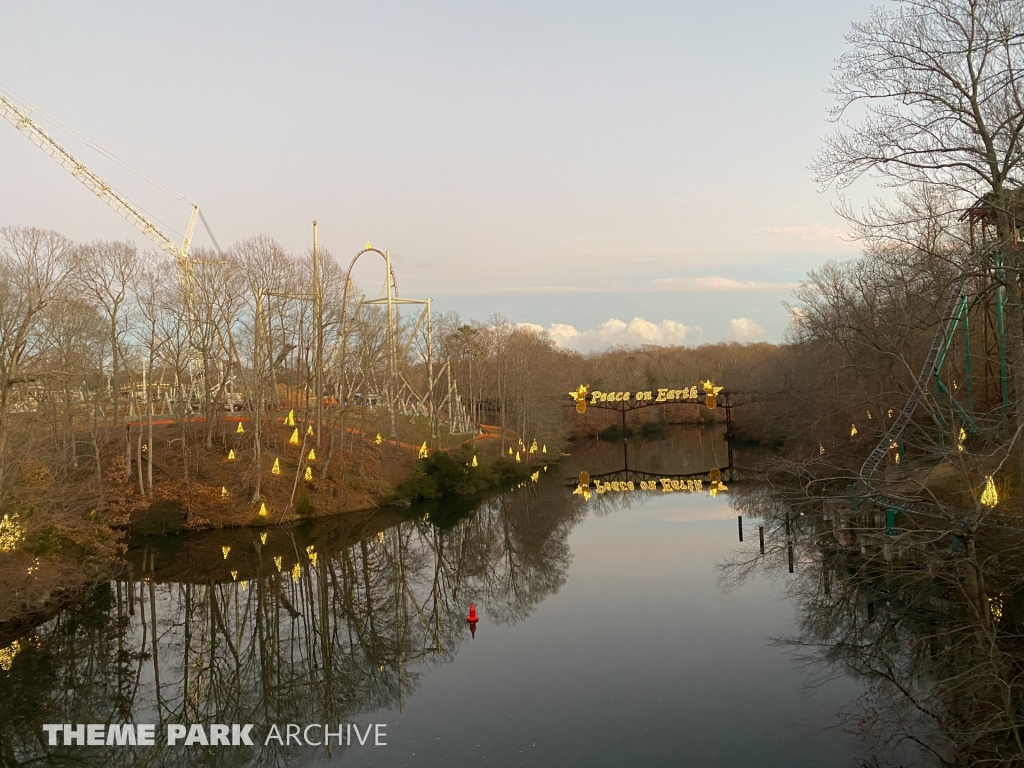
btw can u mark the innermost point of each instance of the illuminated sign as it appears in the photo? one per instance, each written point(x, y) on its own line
point(707, 390)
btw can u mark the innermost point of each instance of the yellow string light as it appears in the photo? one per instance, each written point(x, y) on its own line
point(309, 474)
point(225, 551)
point(517, 456)
point(240, 430)
point(853, 430)
point(312, 455)
point(277, 563)
point(474, 462)
point(296, 572)
point(11, 533)
point(294, 439)
point(423, 450)
point(989, 496)
point(234, 575)
point(223, 492)
point(309, 430)
point(378, 439)
point(263, 510)
point(544, 449)
point(311, 554)
point(231, 455)
point(276, 469)
point(263, 538)
point(535, 476)
point(290, 419)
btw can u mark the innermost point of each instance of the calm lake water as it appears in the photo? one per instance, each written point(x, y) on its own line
point(607, 637)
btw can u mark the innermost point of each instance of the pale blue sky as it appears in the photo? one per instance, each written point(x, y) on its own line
point(549, 161)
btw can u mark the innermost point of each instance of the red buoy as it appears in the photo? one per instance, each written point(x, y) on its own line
point(472, 618)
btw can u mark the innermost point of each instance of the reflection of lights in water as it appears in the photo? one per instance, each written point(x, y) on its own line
point(234, 575)
point(263, 538)
point(7, 655)
point(277, 563)
point(225, 551)
point(995, 605)
point(296, 572)
point(311, 554)
point(535, 476)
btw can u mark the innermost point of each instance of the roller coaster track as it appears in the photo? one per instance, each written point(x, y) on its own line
point(928, 372)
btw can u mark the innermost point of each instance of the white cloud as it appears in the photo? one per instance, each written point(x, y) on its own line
point(704, 284)
point(813, 233)
point(613, 332)
point(743, 329)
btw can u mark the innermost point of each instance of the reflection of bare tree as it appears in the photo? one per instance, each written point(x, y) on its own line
point(928, 616)
point(311, 624)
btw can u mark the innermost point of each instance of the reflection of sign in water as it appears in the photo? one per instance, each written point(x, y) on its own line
point(666, 484)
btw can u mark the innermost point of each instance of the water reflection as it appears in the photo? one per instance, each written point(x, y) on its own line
point(307, 624)
point(928, 613)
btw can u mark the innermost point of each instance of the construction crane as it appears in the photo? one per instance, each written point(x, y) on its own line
point(24, 123)
point(102, 190)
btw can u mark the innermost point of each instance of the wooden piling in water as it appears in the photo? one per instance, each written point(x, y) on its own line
point(739, 524)
point(760, 536)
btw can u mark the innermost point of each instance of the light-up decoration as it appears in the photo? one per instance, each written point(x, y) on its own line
point(312, 455)
point(995, 605)
point(535, 476)
point(277, 563)
point(231, 455)
point(517, 457)
point(263, 510)
point(582, 490)
point(380, 536)
point(580, 396)
point(711, 394)
point(961, 439)
point(263, 538)
point(533, 447)
point(225, 551)
point(7, 655)
point(240, 430)
point(276, 469)
point(378, 439)
point(889, 413)
point(821, 449)
point(296, 572)
point(474, 463)
point(869, 416)
point(989, 496)
point(244, 585)
point(11, 533)
point(423, 453)
point(294, 439)
point(223, 492)
point(311, 554)
point(544, 449)
point(309, 430)
point(510, 450)
point(309, 474)
point(853, 430)
point(290, 419)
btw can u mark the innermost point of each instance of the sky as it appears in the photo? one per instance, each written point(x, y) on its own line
point(614, 173)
